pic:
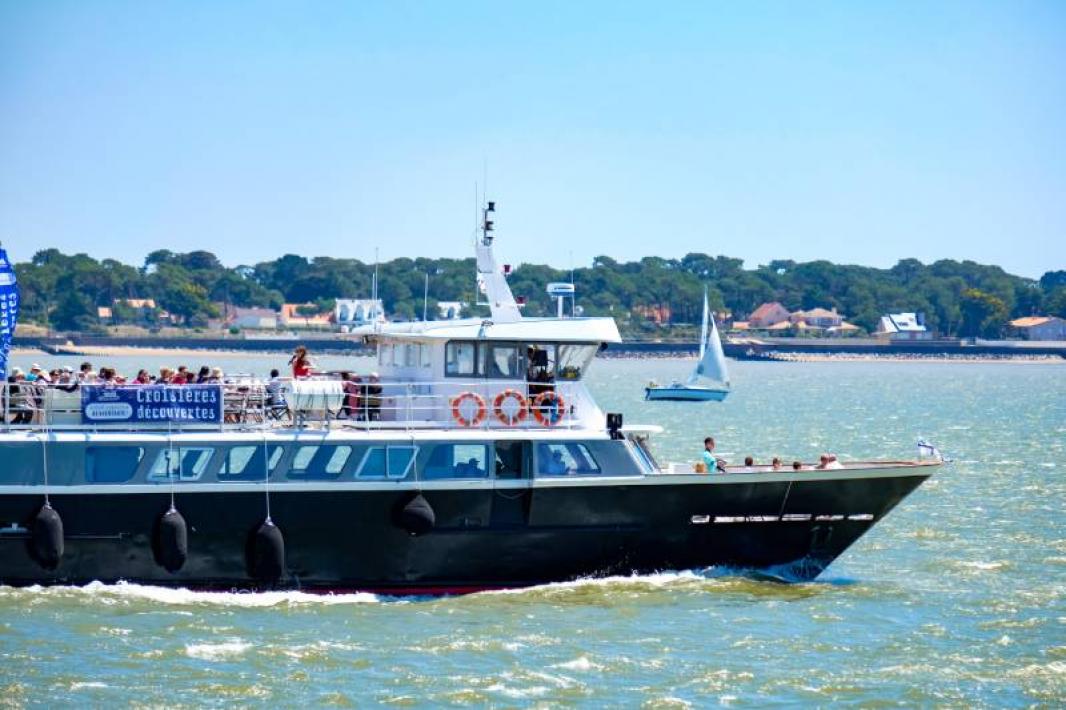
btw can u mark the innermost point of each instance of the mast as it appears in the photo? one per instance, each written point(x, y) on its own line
point(490, 277)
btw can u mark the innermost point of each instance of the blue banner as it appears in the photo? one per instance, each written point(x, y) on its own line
point(9, 309)
point(151, 404)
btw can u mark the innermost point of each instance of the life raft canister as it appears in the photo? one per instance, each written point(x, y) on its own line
point(520, 412)
point(457, 409)
point(548, 407)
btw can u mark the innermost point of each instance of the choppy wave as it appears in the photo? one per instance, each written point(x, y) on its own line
point(124, 592)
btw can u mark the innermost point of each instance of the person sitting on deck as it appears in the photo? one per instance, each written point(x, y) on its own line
point(276, 404)
point(797, 466)
point(22, 401)
point(142, 378)
point(776, 464)
point(709, 459)
point(749, 461)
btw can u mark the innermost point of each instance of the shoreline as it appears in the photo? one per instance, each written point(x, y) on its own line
point(100, 351)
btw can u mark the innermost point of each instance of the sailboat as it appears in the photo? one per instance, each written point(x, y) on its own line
point(709, 381)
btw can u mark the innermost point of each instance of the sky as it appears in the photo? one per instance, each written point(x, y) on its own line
point(856, 132)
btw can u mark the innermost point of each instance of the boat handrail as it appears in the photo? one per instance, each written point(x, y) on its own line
point(322, 401)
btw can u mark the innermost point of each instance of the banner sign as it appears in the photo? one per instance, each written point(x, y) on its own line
point(151, 404)
point(9, 309)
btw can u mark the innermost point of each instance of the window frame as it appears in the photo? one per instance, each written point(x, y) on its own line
point(275, 455)
point(539, 462)
point(180, 474)
point(386, 476)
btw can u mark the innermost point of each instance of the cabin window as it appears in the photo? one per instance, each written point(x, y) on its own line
point(457, 461)
point(426, 355)
point(245, 463)
point(387, 462)
point(566, 459)
point(112, 464)
point(573, 360)
point(506, 361)
point(461, 359)
point(319, 462)
point(410, 355)
point(186, 463)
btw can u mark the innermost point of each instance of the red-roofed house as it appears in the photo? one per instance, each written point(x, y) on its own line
point(767, 315)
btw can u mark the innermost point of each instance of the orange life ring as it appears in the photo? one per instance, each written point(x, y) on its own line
point(457, 413)
point(510, 419)
point(548, 412)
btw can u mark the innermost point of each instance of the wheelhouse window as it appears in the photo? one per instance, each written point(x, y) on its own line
point(506, 361)
point(245, 463)
point(457, 461)
point(185, 463)
point(461, 359)
point(566, 459)
point(573, 360)
point(319, 462)
point(112, 464)
point(392, 462)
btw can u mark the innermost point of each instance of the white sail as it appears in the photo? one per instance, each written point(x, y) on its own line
point(711, 364)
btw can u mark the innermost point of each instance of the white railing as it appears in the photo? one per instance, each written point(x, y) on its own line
point(322, 401)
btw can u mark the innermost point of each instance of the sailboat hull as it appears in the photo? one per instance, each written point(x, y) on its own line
point(684, 394)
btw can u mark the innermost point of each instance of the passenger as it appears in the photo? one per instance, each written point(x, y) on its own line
point(776, 465)
point(709, 459)
point(301, 363)
point(797, 466)
point(350, 406)
point(181, 377)
point(142, 378)
point(470, 469)
point(833, 463)
point(823, 462)
point(203, 374)
point(277, 406)
point(85, 373)
point(23, 402)
point(373, 394)
point(749, 461)
point(35, 372)
point(165, 376)
point(556, 466)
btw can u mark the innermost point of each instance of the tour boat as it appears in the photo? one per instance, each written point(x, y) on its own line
point(709, 381)
point(479, 460)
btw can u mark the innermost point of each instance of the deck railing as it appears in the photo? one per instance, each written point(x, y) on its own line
point(249, 403)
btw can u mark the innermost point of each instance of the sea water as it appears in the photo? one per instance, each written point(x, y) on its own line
point(957, 598)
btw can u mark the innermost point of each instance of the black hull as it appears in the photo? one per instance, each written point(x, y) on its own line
point(482, 538)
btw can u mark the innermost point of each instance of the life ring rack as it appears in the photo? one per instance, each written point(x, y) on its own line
point(510, 419)
point(548, 407)
point(457, 411)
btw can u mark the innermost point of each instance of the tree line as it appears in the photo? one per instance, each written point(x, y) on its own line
point(957, 297)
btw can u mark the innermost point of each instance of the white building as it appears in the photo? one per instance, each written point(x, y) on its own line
point(354, 312)
point(255, 318)
point(903, 326)
point(1040, 327)
point(449, 310)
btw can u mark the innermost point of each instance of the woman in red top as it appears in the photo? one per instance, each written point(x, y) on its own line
point(301, 364)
